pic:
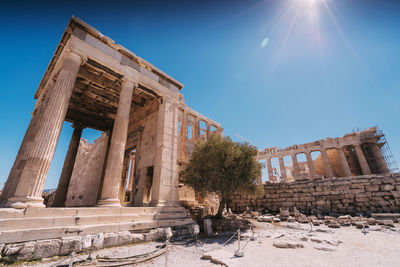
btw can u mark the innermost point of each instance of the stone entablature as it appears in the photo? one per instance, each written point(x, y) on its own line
point(351, 148)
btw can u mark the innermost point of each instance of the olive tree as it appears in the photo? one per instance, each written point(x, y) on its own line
point(222, 166)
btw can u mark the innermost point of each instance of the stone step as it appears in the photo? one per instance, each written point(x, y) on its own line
point(68, 212)
point(169, 215)
point(30, 234)
point(64, 221)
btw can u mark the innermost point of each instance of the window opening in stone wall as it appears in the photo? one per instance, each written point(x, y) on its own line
point(190, 132)
point(318, 164)
point(303, 166)
point(275, 170)
point(288, 167)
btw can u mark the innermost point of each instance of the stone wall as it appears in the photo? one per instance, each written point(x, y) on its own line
point(144, 118)
point(367, 194)
point(86, 175)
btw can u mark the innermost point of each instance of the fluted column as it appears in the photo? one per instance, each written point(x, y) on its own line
point(296, 167)
point(327, 164)
point(282, 168)
point(23, 152)
point(271, 176)
point(382, 165)
point(65, 177)
point(362, 160)
point(345, 164)
point(310, 163)
point(37, 149)
point(115, 161)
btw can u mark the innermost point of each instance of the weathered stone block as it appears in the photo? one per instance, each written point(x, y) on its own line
point(46, 248)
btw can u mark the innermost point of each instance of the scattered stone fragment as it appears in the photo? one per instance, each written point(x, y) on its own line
point(316, 240)
point(334, 225)
point(276, 219)
point(265, 218)
point(371, 221)
point(324, 248)
point(290, 219)
point(361, 225)
point(389, 223)
point(287, 244)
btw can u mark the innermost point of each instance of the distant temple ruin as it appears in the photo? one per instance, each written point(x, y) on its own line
point(358, 153)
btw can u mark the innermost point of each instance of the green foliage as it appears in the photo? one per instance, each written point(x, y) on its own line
point(222, 166)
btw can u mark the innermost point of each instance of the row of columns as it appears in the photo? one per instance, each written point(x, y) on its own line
point(327, 165)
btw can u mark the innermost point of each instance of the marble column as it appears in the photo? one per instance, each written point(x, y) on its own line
point(16, 170)
point(362, 160)
point(296, 167)
point(282, 168)
point(62, 188)
point(345, 164)
point(165, 176)
point(37, 149)
point(311, 168)
point(327, 164)
point(208, 130)
point(115, 161)
point(380, 160)
point(271, 176)
point(183, 135)
point(196, 128)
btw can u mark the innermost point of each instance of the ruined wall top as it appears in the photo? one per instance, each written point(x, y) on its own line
point(354, 138)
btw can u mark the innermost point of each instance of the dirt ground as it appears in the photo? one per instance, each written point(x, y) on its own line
point(323, 246)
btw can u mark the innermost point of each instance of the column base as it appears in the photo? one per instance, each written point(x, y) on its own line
point(110, 202)
point(25, 202)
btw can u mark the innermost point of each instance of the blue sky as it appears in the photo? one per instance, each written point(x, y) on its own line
point(276, 72)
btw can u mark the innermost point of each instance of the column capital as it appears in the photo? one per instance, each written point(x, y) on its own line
point(126, 79)
point(73, 52)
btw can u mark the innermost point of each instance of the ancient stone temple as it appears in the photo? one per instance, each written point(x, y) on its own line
point(358, 153)
point(146, 128)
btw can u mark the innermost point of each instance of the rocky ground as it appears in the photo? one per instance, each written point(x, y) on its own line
point(279, 243)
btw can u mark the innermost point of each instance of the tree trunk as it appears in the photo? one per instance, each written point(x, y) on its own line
point(220, 208)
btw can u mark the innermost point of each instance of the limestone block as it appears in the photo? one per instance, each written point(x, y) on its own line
point(46, 248)
point(124, 238)
point(137, 238)
point(387, 187)
point(98, 240)
point(70, 244)
point(19, 251)
point(111, 239)
point(154, 234)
